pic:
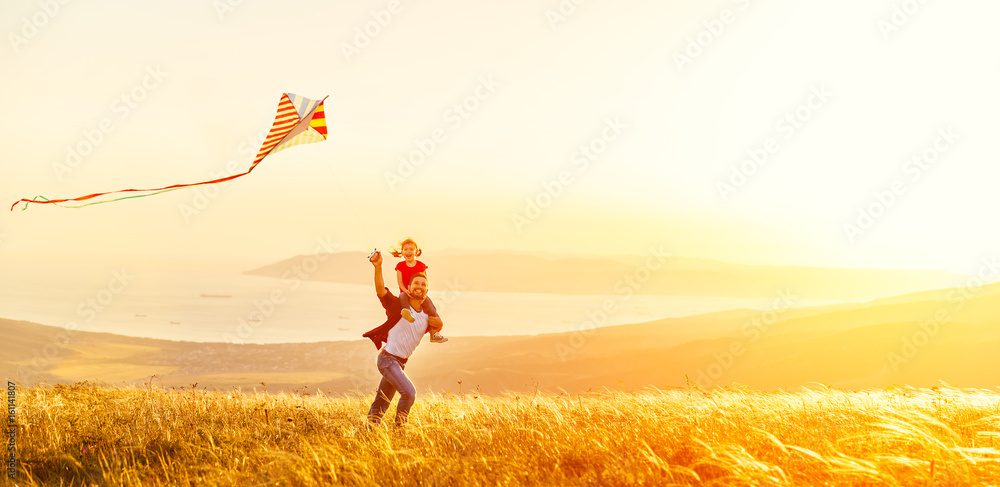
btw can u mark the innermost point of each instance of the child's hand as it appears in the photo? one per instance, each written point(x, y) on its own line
point(434, 323)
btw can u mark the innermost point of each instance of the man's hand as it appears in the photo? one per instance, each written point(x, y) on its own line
point(434, 323)
point(376, 260)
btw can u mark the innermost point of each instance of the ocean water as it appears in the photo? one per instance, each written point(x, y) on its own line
point(217, 303)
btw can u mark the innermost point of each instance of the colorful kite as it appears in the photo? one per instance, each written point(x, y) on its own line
point(299, 121)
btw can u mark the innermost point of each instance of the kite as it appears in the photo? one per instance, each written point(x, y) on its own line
point(299, 121)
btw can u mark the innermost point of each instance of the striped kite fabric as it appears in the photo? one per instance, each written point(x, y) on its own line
point(299, 121)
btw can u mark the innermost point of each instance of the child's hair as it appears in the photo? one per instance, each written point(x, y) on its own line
point(399, 252)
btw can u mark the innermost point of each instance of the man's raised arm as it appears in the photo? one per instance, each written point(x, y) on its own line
point(376, 260)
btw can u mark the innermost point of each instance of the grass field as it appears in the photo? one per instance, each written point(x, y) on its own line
point(86, 434)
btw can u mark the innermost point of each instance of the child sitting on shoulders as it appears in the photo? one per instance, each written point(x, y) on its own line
point(405, 270)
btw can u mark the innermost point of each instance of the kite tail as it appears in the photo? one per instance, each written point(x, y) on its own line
point(146, 192)
point(32, 200)
point(299, 120)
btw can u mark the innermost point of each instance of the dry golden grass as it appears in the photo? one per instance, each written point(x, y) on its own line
point(86, 434)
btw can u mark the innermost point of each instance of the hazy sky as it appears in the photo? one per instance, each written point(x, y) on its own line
point(669, 95)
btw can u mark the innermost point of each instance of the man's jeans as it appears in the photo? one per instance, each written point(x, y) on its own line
point(393, 379)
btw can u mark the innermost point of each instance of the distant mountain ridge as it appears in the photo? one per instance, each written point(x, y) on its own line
point(677, 276)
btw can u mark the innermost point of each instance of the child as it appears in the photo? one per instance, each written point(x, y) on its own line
point(405, 270)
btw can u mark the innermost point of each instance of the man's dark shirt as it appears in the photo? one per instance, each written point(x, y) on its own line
point(393, 313)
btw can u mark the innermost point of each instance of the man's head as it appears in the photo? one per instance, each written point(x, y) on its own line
point(418, 286)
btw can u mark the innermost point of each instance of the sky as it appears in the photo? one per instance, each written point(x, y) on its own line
point(774, 132)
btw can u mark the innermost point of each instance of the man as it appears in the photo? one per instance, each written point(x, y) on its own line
point(401, 338)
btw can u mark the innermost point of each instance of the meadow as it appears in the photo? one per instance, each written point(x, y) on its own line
point(95, 434)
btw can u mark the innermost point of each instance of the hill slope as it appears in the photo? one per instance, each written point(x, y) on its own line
point(874, 344)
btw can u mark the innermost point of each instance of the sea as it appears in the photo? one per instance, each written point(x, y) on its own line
point(217, 302)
